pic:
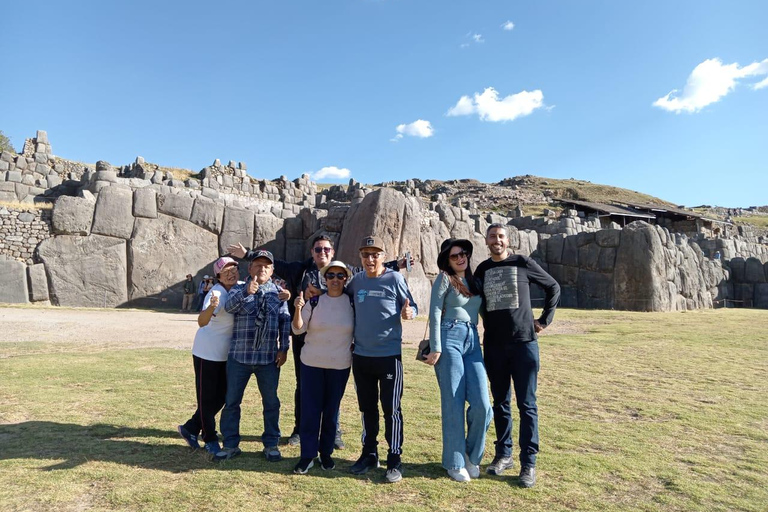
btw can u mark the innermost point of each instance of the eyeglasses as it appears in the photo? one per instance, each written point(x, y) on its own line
point(338, 275)
point(374, 255)
point(326, 250)
point(462, 254)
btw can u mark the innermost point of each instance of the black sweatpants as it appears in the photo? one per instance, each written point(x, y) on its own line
point(383, 376)
point(211, 390)
point(297, 343)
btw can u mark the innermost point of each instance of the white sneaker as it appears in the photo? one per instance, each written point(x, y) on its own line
point(472, 469)
point(460, 475)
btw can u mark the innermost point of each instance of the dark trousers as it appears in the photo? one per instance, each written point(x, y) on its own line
point(320, 399)
point(382, 376)
point(297, 343)
point(520, 362)
point(211, 390)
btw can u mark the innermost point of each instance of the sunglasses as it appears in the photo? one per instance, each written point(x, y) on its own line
point(462, 254)
point(366, 255)
point(318, 250)
point(342, 276)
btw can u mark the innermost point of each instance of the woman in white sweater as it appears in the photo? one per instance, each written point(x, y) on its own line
point(326, 359)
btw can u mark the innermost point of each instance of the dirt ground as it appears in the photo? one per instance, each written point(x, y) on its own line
point(133, 328)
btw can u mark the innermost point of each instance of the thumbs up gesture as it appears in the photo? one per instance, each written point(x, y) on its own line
point(299, 302)
point(407, 311)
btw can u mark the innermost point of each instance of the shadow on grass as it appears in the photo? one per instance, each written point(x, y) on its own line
point(69, 445)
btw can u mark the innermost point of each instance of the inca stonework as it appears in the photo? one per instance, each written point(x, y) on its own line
point(126, 236)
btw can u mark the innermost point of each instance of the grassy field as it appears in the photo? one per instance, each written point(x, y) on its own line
point(638, 411)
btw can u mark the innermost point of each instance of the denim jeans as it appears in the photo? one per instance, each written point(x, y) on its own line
point(520, 361)
point(461, 377)
point(267, 378)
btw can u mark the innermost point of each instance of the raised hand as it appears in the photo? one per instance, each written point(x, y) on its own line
point(312, 291)
point(407, 312)
point(299, 302)
point(236, 250)
point(252, 288)
point(214, 302)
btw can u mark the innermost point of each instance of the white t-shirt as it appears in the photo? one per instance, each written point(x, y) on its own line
point(329, 333)
point(212, 341)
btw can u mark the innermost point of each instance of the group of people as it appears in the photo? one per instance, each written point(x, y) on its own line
point(345, 319)
point(194, 300)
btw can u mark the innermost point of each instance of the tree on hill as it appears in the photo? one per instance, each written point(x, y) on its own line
point(5, 143)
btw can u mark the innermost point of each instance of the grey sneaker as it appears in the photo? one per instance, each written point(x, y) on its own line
point(272, 453)
point(365, 463)
point(395, 473)
point(499, 465)
point(294, 440)
point(227, 453)
point(527, 477)
point(339, 442)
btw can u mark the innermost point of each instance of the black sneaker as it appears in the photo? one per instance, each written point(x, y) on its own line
point(188, 437)
point(339, 442)
point(365, 463)
point(527, 477)
point(499, 465)
point(303, 466)
point(326, 462)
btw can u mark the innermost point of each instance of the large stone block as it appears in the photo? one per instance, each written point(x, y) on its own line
point(13, 281)
point(753, 271)
point(145, 203)
point(237, 228)
point(594, 290)
point(176, 205)
point(555, 249)
point(640, 270)
point(161, 253)
point(114, 212)
point(268, 232)
point(38, 283)
point(72, 216)
point(608, 237)
point(208, 215)
point(87, 271)
point(294, 229)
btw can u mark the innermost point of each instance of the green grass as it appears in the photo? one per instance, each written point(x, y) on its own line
point(638, 411)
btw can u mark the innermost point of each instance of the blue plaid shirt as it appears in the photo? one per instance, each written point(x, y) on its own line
point(245, 347)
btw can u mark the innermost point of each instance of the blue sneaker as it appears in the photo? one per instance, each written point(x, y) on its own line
point(212, 449)
point(189, 438)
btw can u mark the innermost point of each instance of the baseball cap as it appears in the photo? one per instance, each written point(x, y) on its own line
point(372, 242)
point(222, 262)
point(264, 254)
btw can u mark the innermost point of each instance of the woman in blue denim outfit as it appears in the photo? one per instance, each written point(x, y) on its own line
point(455, 353)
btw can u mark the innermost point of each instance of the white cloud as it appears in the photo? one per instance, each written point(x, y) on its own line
point(331, 172)
point(489, 107)
point(478, 38)
point(472, 38)
point(419, 128)
point(708, 83)
point(507, 25)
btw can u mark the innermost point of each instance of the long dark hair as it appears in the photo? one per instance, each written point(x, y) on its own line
point(471, 288)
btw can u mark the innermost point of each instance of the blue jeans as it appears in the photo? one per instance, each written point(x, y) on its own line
point(321, 392)
point(461, 377)
point(520, 361)
point(267, 377)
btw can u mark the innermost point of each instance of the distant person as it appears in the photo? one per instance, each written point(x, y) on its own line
point(458, 360)
point(382, 300)
point(511, 347)
point(189, 294)
point(304, 276)
point(201, 291)
point(328, 321)
point(717, 255)
point(209, 356)
point(259, 347)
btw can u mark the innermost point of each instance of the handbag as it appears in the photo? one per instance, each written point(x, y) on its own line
point(423, 351)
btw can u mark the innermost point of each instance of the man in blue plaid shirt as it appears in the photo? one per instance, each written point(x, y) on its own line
point(259, 346)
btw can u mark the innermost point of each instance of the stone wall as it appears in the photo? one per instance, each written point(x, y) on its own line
point(22, 230)
point(748, 286)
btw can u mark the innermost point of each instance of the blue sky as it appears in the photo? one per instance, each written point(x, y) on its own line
point(398, 89)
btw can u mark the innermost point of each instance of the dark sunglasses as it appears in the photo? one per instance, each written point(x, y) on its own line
point(318, 250)
point(337, 275)
point(462, 254)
